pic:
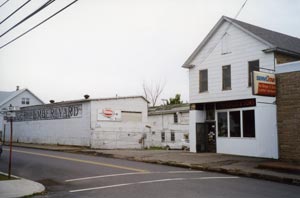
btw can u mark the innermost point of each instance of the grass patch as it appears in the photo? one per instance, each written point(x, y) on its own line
point(5, 177)
point(156, 148)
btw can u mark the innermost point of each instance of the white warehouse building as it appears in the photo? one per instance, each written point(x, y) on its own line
point(106, 123)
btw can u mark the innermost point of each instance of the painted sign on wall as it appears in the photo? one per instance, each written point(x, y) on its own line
point(49, 112)
point(108, 114)
point(264, 84)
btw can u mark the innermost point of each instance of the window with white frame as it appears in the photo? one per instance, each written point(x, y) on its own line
point(163, 137)
point(236, 123)
point(25, 101)
point(222, 124)
point(203, 80)
point(172, 136)
point(226, 74)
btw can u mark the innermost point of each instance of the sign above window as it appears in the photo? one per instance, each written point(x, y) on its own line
point(236, 104)
point(264, 84)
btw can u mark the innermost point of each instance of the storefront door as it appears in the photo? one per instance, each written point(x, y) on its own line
point(205, 137)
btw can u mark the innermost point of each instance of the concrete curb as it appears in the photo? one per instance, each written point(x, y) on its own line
point(20, 187)
point(237, 172)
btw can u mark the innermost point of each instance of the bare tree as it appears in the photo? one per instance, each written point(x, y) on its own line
point(152, 92)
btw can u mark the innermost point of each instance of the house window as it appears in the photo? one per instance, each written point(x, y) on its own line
point(25, 101)
point(252, 66)
point(172, 136)
point(248, 123)
point(203, 81)
point(175, 118)
point(163, 137)
point(222, 124)
point(226, 77)
point(235, 124)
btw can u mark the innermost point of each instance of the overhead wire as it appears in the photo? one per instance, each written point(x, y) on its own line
point(15, 11)
point(4, 3)
point(32, 28)
point(28, 16)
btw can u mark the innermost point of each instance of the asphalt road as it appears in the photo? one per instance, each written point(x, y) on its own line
point(75, 175)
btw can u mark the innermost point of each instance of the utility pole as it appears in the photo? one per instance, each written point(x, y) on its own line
point(10, 147)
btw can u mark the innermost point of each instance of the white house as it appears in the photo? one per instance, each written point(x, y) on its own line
point(106, 123)
point(17, 98)
point(224, 111)
point(168, 124)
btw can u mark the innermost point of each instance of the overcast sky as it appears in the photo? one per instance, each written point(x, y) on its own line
point(108, 47)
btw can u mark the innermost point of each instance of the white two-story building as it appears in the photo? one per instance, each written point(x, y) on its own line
point(18, 98)
point(224, 112)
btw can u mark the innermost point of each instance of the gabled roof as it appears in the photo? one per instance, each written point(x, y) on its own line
point(6, 96)
point(275, 40)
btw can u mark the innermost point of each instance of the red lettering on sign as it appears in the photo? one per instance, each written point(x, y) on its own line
point(265, 89)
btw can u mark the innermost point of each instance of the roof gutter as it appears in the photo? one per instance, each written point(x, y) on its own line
point(284, 51)
point(188, 66)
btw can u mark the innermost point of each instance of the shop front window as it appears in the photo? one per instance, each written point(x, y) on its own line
point(235, 124)
point(241, 123)
point(248, 123)
point(222, 124)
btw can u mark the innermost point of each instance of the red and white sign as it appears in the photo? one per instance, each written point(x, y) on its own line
point(108, 114)
point(264, 84)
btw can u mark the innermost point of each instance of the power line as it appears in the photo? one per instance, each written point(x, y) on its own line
point(29, 16)
point(4, 3)
point(29, 30)
point(15, 11)
point(228, 27)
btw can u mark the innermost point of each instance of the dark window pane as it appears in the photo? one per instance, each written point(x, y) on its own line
point(253, 66)
point(162, 136)
point(226, 77)
point(235, 124)
point(203, 81)
point(222, 124)
point(172, 136)
point(249, 123)
point(175, 118)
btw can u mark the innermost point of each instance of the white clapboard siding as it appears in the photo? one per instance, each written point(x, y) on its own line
point(243, 48)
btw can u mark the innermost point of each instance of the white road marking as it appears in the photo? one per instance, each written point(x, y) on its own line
point(147, 182)
point(185, 171)
point(131, 173)
point(160, 180)
point(103, 176)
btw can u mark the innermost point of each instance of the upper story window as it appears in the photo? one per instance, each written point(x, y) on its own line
point(172, 136)
point(226, 44)
point(163, 137)
point(175, 117)
point(25, 101)
point(252, 66)
point(203, 81)
point(226, 70)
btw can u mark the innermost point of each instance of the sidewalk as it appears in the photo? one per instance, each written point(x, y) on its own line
point(259, 168)
point(19, 187)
